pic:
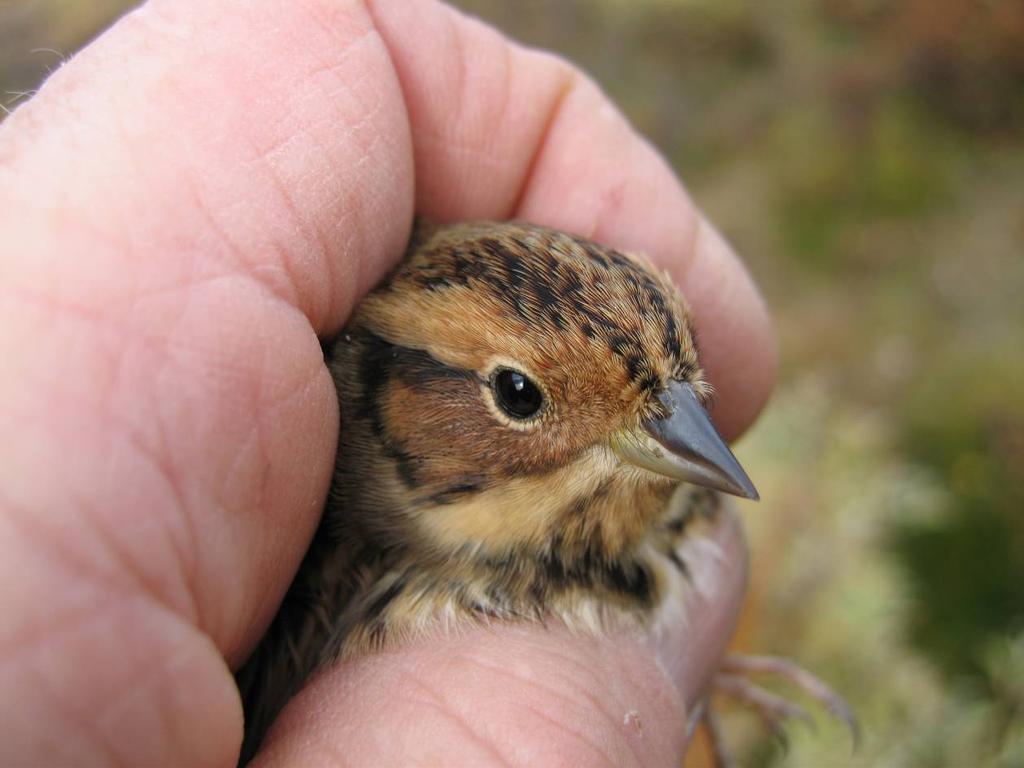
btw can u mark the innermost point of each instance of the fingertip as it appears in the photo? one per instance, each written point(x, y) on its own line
point(735, 333)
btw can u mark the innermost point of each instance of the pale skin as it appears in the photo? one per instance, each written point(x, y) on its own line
point(184, 208)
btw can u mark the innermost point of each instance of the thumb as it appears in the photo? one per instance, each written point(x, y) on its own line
point(527, 694)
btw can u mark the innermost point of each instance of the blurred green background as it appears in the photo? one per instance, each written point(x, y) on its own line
point(867, 158)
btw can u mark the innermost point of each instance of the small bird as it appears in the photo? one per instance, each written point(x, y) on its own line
point(524, 436)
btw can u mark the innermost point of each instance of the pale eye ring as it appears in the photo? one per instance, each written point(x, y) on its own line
point(515, 394)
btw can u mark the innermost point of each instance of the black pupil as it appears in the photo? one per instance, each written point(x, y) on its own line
point(517, 395)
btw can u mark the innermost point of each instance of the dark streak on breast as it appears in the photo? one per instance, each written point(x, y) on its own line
point(385, 598)
point(677, 561)
point(625, 577)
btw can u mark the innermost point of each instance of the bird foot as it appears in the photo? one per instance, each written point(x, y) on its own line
point(774, 710)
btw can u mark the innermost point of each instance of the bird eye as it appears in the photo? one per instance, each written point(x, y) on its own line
point(515, 394)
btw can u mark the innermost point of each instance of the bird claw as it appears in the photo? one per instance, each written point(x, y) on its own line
point(773, 710)
point(740, 666)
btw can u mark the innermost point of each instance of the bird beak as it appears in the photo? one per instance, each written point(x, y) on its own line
point(684, 445)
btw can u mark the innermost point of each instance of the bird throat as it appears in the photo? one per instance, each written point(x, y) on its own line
point(592, 507)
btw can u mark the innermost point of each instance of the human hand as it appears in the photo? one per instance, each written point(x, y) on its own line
point(186, 206)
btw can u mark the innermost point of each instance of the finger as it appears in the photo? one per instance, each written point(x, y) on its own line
point(525, 695)
point(184, 205)
point(501, 131)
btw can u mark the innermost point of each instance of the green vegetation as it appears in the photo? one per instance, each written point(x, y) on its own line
point(867, 158)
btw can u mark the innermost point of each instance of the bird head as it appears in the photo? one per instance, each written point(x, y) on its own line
point(507, 381)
